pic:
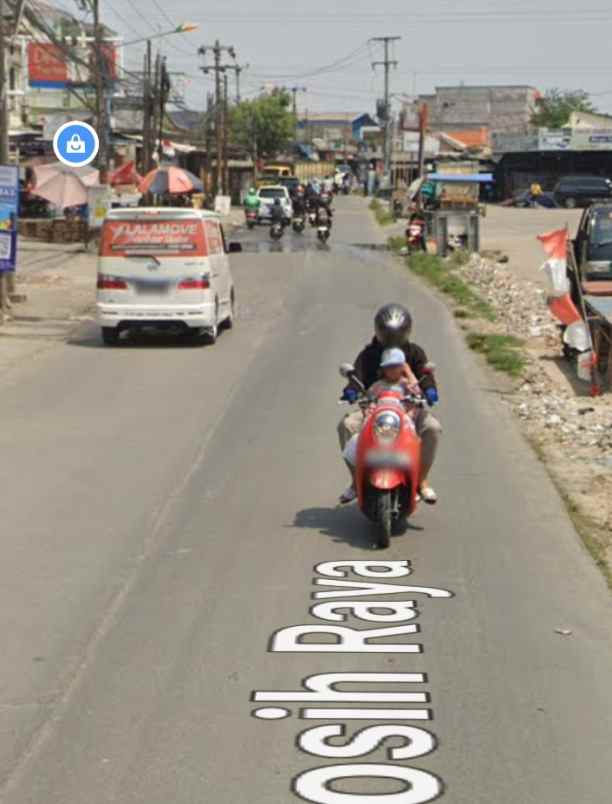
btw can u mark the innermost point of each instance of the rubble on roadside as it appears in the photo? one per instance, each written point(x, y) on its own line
point(572, 429)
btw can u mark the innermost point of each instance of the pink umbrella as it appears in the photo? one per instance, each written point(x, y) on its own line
point(63, 186)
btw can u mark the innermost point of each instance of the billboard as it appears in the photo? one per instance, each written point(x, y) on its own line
point(9, 209)
point(49, 67)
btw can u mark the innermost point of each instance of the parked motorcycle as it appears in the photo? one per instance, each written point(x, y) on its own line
point(388, 465)
point(277, 230)
point(251, 218)
point(298, 224)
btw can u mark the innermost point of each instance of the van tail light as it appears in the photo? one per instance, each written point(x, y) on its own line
point(111, 283)
point(194, 284)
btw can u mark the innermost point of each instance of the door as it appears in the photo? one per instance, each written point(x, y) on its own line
point(218, 263)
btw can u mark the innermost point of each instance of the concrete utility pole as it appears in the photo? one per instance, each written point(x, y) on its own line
point(217, 50)
point(238, 70)
point(147, 149)
point(294, 91)
point(387, 63)
point(4, 111)
point(164, 90)
point(100, 78)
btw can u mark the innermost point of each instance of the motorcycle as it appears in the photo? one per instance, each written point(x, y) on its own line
point(388, 467)
point(312, 219)
point(276, 230)
point(251, 218)
point(298, 225)
point(323, 232)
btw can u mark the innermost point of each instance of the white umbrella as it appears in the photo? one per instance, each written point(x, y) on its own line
point(64, 186)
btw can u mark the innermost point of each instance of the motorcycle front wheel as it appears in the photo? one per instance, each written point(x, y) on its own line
point(384, 518)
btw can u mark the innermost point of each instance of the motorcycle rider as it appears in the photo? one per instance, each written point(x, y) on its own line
point(299, 203)
point(277, 213)
point(252, 201)
point(393, 326)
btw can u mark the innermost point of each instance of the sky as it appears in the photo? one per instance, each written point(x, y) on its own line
point(543, 44)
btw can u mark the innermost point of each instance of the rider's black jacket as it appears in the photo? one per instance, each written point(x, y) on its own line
point(277, 214)
point(367, 365)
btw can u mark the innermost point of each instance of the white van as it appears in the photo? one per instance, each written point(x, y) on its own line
point(165, 268)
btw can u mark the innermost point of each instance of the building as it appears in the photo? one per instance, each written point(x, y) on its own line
point(494, 108)
point(546, 155)
point(335, 129)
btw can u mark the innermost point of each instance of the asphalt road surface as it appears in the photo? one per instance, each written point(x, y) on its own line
point(165, 513)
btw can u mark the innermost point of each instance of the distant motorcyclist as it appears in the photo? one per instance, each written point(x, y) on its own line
point(299, 203)
point(252, 201)
point(393, 326)
point(277, 213)
point(324, 214)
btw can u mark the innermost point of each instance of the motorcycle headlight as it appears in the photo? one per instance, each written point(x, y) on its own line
point(387, 426)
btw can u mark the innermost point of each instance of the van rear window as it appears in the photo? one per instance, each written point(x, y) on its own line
point(170, 238)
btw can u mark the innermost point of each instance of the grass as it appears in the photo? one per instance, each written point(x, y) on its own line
point(440, 274)
point(396, 244)
point(503, 352)
point(383, 216)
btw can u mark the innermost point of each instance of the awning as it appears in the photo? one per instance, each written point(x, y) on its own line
point(483, 178)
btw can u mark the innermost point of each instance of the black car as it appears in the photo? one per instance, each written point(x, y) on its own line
point(580, 191)
point(593, 243)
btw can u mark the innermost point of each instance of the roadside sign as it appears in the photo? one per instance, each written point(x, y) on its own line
point(9, 210)
point(99, 200)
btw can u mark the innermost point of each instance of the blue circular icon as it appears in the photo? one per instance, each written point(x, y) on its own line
point(76, 144)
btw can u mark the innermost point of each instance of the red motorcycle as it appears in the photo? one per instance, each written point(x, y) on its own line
point(251, 218)
point(388, 467)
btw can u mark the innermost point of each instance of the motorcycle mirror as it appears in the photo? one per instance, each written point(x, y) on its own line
point(347, 370)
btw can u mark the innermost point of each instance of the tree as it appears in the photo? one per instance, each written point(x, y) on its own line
point(263, 126)
point(555, 108)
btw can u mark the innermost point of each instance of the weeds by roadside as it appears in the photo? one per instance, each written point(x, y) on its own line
point(503, 352)
point(383, 216)
point(441, 274)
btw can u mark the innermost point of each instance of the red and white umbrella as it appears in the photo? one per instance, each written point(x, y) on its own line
point(64, 186)
point(172, 180)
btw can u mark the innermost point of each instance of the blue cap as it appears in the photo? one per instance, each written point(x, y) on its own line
point(392, 357)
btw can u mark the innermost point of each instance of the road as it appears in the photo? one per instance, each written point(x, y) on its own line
point(165, 511)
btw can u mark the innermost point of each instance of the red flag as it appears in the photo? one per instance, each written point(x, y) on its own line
point(564, 309)
point(555, 243)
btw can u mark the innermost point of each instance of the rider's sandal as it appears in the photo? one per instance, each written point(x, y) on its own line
point(428, 495)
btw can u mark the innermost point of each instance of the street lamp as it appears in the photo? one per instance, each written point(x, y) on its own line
point(184, 27)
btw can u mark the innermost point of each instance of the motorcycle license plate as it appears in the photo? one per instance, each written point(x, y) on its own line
point(377, 458)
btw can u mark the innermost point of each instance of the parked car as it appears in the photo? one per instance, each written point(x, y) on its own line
point(580, 191)
point(593, 243)
point(164, 268)
point(267, 196)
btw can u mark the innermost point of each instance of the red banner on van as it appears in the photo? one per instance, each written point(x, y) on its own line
point(168, 238)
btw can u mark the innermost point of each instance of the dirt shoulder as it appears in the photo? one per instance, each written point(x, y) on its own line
point(58, 281)
point(509, 323)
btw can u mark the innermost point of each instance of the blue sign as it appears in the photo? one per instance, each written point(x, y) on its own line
point(9, 211)
point(76, 144)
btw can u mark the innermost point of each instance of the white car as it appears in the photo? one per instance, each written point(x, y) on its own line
point(164, 268)
point(267, 195)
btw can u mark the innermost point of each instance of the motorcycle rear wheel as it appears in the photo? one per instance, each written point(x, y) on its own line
point(384, 519)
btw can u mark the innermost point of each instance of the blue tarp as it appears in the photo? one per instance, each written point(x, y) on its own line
point(482, 178)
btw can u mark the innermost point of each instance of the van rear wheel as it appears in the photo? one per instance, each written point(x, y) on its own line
point(110, 336)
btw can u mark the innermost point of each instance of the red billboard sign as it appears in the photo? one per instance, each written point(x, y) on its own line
point(46, 65)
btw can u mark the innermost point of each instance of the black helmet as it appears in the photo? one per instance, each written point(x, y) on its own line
point(393, 325)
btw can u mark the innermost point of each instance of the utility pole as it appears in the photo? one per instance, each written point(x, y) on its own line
point(4, 111)
point(226, 188)
point(147, 111)
point(99, 62)
point(238, 70)
point(218, 68)
point(387, 63)
point(294, 91)
point(164, 90)
point(4, 144)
